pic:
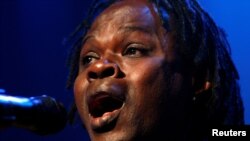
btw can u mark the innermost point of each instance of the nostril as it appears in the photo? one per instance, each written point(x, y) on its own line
point(104, 70)
point(107, 72)
point(93, 75)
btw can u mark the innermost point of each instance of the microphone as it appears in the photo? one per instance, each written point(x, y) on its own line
point(42, 115)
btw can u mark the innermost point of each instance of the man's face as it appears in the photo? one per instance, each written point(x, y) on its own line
point(125, 79)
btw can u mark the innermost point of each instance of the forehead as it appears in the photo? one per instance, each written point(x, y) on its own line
point(139, 12)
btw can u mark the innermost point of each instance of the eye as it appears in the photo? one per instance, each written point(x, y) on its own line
point(136, 51)
point(89, 58)
point(86, 60)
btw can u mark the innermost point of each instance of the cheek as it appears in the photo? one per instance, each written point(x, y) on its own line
point(79, 93)
point(148, 83)
point(147, 73)
point(147, 91)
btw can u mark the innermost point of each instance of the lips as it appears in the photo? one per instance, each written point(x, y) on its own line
point(103, 103)
point(104, 108)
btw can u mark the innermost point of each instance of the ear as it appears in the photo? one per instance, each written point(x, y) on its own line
point(201, 81)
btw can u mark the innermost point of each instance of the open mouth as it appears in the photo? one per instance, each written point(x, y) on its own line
point(103, 103)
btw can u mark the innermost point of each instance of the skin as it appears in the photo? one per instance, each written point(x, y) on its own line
point(129, 57)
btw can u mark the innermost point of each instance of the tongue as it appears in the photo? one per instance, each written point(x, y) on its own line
point(104, 104)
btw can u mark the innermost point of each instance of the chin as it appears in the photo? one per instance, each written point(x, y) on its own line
point(111, 136)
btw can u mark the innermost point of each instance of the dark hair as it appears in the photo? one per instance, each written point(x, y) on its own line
point(202, 46)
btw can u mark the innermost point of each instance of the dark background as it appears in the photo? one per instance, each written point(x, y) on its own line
point(33, 56)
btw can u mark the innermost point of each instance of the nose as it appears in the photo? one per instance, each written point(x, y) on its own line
point(103, 69)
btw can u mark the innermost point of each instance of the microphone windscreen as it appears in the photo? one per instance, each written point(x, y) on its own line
point(46, 116)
